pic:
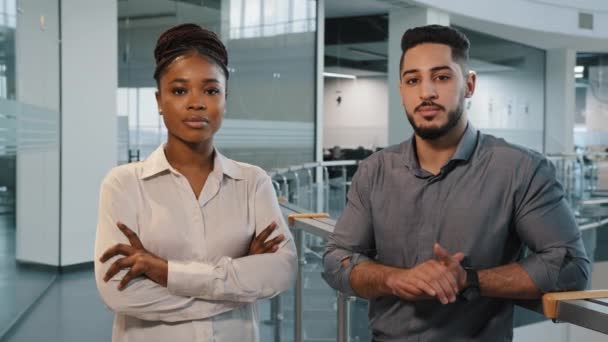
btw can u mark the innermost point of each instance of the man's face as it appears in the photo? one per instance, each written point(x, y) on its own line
point(433, 89)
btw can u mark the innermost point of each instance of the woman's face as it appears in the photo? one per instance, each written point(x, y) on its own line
point(191, 98)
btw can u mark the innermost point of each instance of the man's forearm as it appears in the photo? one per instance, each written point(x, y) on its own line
point(368, 279)
point(508, 281)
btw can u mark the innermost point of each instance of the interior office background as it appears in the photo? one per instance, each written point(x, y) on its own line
point(77, 98)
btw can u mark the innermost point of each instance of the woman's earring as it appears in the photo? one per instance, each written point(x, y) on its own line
point(160, 111)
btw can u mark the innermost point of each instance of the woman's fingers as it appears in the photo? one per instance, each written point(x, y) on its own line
point(133, 273)
point(133, 239)
point(118, 249)
point(266, 232)
point(118, 265)
point(273, 245)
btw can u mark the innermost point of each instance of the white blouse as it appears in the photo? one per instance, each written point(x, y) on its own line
point(212, 283)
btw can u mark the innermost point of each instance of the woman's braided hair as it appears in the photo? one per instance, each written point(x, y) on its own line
point(185, 39)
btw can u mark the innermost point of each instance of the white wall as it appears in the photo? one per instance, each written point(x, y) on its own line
point(510, 104)
point(37, 193)
point(361, 119)
point(560, 99)
point(89, 137)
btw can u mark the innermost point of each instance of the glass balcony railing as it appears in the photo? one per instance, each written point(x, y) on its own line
point(312, 311)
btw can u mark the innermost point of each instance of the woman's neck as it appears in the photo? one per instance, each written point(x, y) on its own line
point(187, 156)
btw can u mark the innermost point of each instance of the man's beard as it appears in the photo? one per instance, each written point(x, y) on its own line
point(433, 133)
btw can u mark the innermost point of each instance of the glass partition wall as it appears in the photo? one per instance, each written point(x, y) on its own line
point(29, 153)
point(269, 118)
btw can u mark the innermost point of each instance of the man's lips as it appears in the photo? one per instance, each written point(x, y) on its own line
point(428, 111)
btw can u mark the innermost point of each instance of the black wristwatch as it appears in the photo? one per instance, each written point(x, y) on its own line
point(471, 291)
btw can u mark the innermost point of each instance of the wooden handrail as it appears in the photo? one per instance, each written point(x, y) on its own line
point(291, 218)
point(551, 299)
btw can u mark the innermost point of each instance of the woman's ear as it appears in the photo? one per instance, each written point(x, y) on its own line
point(157, 95)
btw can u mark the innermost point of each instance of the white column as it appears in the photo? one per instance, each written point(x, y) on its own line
point(399, 128)
point(37, 188)
point(88, 151)
point(320, 87)
point(560, 101)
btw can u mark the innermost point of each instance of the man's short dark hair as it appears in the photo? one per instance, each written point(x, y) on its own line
point(456, 40)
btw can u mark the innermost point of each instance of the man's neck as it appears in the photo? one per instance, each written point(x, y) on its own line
point(434, 154)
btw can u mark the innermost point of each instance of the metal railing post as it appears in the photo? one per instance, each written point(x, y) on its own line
point(296, 193)
point(276, 317)
point(310, 188)
point(343, 313)
point(326, 187)
point(285, 186)
point(299, 290)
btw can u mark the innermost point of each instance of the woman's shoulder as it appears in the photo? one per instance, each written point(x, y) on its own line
point(249, 171)
point(123, 175)
point(241, 170)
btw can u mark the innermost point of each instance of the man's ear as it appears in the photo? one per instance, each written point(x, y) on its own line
point(471, 81)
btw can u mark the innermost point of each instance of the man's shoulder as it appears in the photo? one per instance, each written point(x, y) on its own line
point(506, 152)
point(387, 156)
point(501, 147)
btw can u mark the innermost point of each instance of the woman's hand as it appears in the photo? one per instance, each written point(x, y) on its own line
point(137, 259)
point(258, 246)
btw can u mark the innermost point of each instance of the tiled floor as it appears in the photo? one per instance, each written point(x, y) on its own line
point(19, 286)
point(70, 311)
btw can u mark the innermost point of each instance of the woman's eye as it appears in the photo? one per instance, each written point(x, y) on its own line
point(212, 91)
point(178, 91)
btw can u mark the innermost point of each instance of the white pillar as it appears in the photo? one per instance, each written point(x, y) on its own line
point(560, 101)
point(88, 126)
point(320, 89)
point(37, 185)
point(399, 128)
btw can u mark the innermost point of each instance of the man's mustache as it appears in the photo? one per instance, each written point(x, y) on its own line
point(429, 104)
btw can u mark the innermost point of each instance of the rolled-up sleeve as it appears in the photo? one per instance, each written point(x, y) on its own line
point(248, 278)
point(353, 236)
point(546, 224)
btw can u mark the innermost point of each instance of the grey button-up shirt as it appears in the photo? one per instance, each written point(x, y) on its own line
point(489, 201)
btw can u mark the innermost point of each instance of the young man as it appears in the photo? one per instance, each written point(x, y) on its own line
point(435, 227)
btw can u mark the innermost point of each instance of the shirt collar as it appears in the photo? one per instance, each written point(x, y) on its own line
point(465, 149)
point(157, 163)
point(467, 144)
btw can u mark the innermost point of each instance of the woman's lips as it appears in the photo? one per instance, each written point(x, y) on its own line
point(196, 122)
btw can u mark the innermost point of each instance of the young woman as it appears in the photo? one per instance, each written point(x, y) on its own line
point(188, 240)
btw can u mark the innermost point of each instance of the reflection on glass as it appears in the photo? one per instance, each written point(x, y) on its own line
point(266, 18)
point(270, 110)
point(29, 154)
